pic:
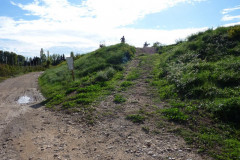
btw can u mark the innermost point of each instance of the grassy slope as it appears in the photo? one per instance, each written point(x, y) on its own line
point(200, 78)
point(95, 75)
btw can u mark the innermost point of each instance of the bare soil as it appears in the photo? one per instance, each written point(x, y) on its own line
point(31, 132)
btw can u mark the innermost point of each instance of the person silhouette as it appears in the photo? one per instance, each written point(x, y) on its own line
point(122, 39)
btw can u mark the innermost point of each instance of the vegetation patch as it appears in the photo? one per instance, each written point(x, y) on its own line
point(119, 98)
point(133, 75)
point(199, 78)
point(136, 118)
point(175, 114)
point(96, 74)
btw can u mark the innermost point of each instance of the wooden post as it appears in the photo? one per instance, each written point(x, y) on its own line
point(73, 75)
point(70, 63)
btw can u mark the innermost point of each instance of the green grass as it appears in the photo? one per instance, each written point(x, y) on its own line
point(119, 98)
point(136, 118)
point(133, 75)
point(175, 114)
point(96, 74)
point(199, 78)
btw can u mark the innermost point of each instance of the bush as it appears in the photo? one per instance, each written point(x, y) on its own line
point(228, 109)
point(231, 149)
point(105, 75)
point(234, 32)
point(175, 114)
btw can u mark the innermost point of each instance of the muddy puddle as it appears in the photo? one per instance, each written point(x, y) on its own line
point(23, 100)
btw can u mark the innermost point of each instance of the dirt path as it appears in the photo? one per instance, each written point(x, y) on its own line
point(11, 90)
point(38, 134)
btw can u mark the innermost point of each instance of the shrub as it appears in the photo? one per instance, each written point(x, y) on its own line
point(105, 75)
point(234, 32)
point(231, 149)
point(175, 114)
point(228, 109)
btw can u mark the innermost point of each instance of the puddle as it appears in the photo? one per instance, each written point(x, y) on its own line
point(24, 100)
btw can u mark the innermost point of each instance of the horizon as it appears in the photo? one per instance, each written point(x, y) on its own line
point(62, 26)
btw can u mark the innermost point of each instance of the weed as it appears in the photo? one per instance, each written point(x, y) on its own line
point(146, 129)
point(119, 98)
point(124, 85)
point(175, 114)
point(133, 75)
point(136, 118)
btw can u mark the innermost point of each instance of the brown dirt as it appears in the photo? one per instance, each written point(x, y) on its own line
point(34, 133)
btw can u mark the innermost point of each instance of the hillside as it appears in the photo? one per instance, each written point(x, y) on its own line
point(200, 79)
point(95, 75)
point(191, 88)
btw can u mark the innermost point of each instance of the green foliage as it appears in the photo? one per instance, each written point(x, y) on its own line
point(105, 75)
point(231, 150)
point(200, 80)
point(126, 84)
point(227, 109)
point(95, 76)
point(205, 67)
point(175, 114)
point(136, 118)
point(134, 74)
point(234, 32)
point(119, 98)
point(9, 70)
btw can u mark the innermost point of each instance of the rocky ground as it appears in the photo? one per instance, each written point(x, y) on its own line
point(31, 132)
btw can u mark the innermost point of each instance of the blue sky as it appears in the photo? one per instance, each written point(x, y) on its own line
point(61, 26)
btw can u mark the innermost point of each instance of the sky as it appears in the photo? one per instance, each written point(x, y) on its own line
point(62, 26)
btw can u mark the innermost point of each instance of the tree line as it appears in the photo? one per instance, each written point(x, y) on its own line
point(13, 59)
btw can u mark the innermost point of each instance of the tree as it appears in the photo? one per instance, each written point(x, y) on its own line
point(63, 58)
point(1, 57)
point(72, 54)
point(42, 56)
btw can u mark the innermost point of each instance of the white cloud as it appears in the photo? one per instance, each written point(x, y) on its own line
point(230, 18)
point(231, 24)
point(83, 26)
point(228, 10)
point(227, 16)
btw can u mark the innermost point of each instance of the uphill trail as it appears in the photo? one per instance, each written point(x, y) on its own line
point(40, 134)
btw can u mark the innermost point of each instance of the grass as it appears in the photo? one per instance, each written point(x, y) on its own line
point(119, 98)
point(175, 114)
point(136, 118)
point(125, 85)
point(199, 78)
point(96, 74)
point(133, 75)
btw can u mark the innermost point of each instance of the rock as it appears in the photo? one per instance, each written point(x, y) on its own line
point(148, 143)
point(150, 153)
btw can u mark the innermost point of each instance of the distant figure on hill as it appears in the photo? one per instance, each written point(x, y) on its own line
point(122, 39)
point(146, 44)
